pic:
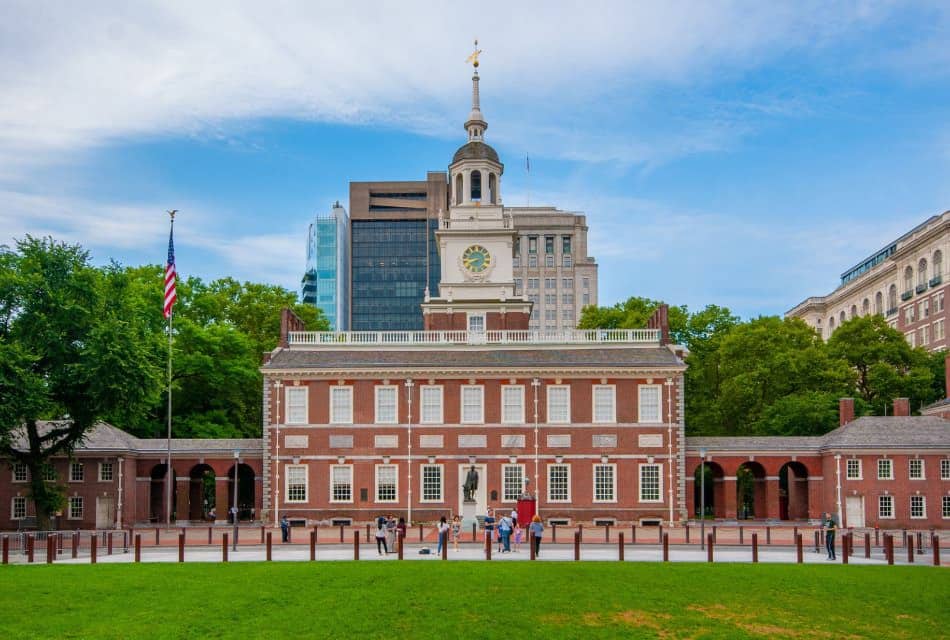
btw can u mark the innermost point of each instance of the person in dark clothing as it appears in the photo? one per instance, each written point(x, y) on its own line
point(284, 529)
point(830, 530)
point(381, 548)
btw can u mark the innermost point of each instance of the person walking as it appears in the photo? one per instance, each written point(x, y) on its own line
point(284, 529)
point(456, 531)
point(518, 533)
point(504, 531)
point(443, 535)
point(830, 530)
point(381, 547)
point(536, 529)
point(489, 524)
point(391, 533)
point(514, 518)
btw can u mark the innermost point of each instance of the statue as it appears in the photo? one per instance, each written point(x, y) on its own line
point(471, 485)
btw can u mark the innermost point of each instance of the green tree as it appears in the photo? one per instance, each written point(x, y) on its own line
point(884, 365)
point(67, 353)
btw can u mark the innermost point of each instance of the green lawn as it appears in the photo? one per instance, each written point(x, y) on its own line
point(430, 600)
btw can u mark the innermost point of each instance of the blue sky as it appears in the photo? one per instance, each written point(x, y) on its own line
point(735, 153)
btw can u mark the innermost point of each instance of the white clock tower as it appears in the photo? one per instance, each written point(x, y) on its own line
point(475, 241)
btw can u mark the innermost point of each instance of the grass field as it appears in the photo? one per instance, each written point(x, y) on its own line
point(430, 600)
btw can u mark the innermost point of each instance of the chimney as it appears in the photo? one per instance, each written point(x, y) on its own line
point(845, 411)
point(660, 320)
point(901, 406)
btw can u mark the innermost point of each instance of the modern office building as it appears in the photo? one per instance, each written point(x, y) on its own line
point(393, 249)
point(326, 281)
point(903, 281)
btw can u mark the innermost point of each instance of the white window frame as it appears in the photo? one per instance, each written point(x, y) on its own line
point(289, 470)
point(659, 403)
point(13, 507)
point(70, 511)
point(292, 408)
point(613, 490)
point(945, 507)
point(945, 468)
point(333, 467)
point(20, 469)
point(395, 483)
point(659, 476)
point(481, 404)
point(422, 483)
point(552, 419)
point(504, 482)
point(506, 418)
point(335, 419)
point(612, 389)
point(890, 467)
point(910, 469)
point(102, 467)
point(479, 315)
point(847, 469)
point(386, 389)
point(880, 507)
point(923, 507)
point(73, 466)
point(49, 473)
point(567, 467)
point(431, 388)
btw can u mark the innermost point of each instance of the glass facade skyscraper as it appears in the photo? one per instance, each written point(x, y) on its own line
point(326, 281)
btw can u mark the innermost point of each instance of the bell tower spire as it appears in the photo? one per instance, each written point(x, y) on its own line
point(475, 125)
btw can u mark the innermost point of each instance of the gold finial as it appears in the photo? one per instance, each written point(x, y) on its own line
point(172, 213)
point(474, 57)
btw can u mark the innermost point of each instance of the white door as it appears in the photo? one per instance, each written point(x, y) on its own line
point(481, 494)
point(854, 511)
point(105, 512)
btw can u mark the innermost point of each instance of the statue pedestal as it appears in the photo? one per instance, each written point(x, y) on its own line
point(469, 510)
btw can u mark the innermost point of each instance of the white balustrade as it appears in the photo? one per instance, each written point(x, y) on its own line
point(506, 337)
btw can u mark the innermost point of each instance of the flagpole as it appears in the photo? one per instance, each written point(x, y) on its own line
point(169, 472)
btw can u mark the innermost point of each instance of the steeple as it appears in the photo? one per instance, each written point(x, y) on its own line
point(475, 125)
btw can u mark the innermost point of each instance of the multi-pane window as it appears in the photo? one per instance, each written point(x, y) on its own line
point(649, 396)
point(341, 483)
point(76, 472)
point(20, 472)
point(567, 283)
point(605, 403)
point(532, 260)
point(916, 469)
point(385, 483)
point(532, 283)
point(550, 298)
point(885, 469)
point(532, 244)
point(559, 483)
point(512, 404)
point(550, 283)
point(650, 483)
point(567, 313)
point(386, 398)
point(296, 405)
point(939, 333)
point(512, 481)
point(853, 469)
point(945, 469)
point(341, 405)
point(918, 507)
point(18, 508)
point(75, 507)
point(586, 299)
point(431, 399)
point(565, 244)
point(49, 473)
point(550, 314)
point(549, 244)
point(566, 261)
point(605, 483)
point(432, 483)
point(476, 322)
point(549, 261)
point(472, 396)
point(559, 404)
point(946, 507)
point(885, 506)
point(567, 298)
point(296, 475)
point(519, 283)
point(586, 283)
point(105, 472)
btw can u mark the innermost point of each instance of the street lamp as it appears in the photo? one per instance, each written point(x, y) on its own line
point(536, 383)
point(237, 459)
point(277, 387)
point(409, 385)
point(702, 498)
point(838, 487)
point(669, 442)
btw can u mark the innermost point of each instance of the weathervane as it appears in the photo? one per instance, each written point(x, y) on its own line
point(172, 213)
point(474, 57)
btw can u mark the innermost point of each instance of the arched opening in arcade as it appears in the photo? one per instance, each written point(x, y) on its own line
point(793, 491)
point(245, 495)
point(750, 491)
point(157, 493)
point(201, 492)
point(712, 484)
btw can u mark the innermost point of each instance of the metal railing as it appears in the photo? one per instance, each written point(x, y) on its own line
point(506, 337)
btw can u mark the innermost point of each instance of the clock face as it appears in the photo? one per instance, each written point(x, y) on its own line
point(476, 258)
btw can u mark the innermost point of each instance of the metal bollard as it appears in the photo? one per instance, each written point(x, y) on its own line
point(889, 548)
point(633, 534)
point(181, 547)
point(138, 547)
point(768, 535)
point(209, 534)
point(313, 545)
point(29, 547)
point(420, 532)
point(157, 538)
point(356, 545)
point(6, 549)
point(666, 547)
point(341, 534)
point(109, 544)
point(487, 545)
point(580, 530)
point(50, 548)
point(262, 533)
point(577, 545)
point(755, 547)
point(620, 546)
point(844, 549)
point(224, 547)
point(76, 543)
point(741, 536)
point(93, 541)
point(659, 534)
point(710, 542)
point(474, 531)
point(531, 545)
point(867, 544)
point(269, 546)
point(400, 542)
point(935, 545)
point(607, 533)
point(367, 533)
point(798, 549)
point(910, 548)
point(686, 527)
point(445, 544)
point(920, 542)
point(553, 533)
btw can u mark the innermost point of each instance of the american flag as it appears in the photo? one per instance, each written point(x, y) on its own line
point(170, 295)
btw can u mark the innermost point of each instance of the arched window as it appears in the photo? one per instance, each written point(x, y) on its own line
point(476, 186)
point(492, 188)
point(938, 266)
point(908, 278)
point(831, 323)
point(865, 307)
point(842, 318)
point(879, 304)
point(922, 272)
point(892, 298)
point(854, 310)
point(458, 188)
